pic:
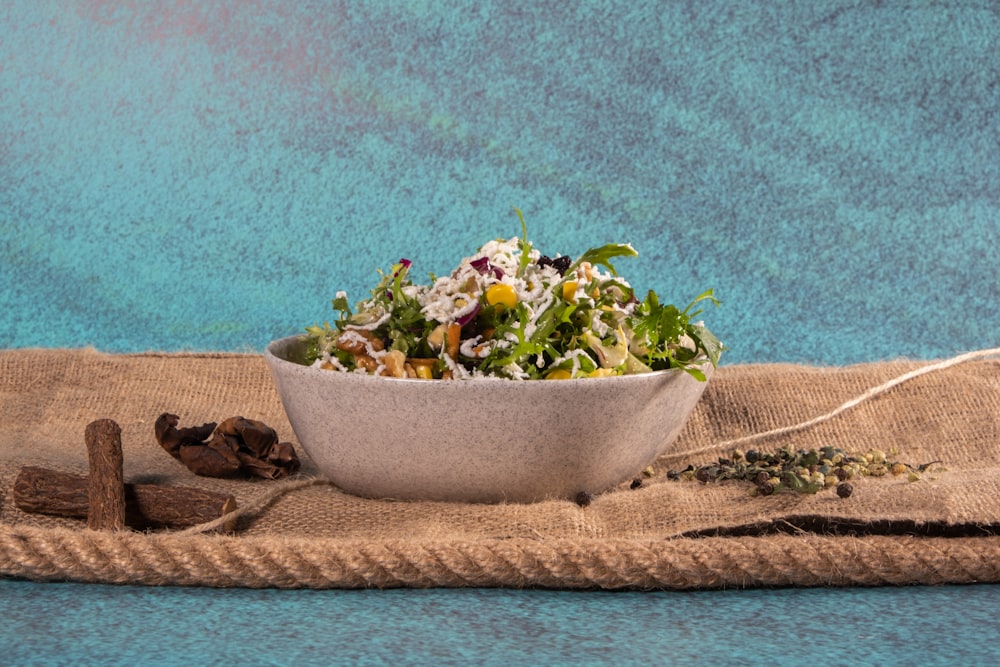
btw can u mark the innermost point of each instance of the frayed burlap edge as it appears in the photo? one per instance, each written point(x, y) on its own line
point(45, 554)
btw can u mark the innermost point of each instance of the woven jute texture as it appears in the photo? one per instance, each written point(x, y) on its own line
point(666, 534)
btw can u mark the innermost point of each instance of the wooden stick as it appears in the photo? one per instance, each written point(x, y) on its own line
point(147, 506)
point(106, 489)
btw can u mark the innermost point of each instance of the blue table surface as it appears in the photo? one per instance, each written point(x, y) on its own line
point(205, 176)
point(108, 625)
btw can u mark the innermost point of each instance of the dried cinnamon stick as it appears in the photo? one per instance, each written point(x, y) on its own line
point(106, 487)
point(147, 506)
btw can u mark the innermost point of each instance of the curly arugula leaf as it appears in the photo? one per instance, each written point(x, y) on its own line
point(663, 326)
point(659, 324)
point(707, 295)
point(524, 244)
point(707, 341)
point(342, 306)
point(603, 256)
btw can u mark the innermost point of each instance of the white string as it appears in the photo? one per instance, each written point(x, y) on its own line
point(277, 490)
point(854, 402)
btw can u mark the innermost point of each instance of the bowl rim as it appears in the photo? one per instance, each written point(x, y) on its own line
point(269, 353)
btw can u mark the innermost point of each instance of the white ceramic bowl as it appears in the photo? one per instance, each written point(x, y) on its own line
point(481, 440)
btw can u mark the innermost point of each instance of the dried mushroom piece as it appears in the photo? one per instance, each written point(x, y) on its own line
point(236, 446)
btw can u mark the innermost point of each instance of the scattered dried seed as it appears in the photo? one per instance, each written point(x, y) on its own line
point(801, 471)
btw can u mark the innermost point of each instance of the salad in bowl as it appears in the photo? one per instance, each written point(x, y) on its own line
point(508, 311)
point(439, 392)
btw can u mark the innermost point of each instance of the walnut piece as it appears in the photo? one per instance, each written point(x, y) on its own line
point(238, 446)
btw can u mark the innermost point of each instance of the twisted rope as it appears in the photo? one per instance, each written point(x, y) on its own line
point(709, 563)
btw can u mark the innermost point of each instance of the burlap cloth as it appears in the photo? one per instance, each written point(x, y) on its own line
point(666, 534)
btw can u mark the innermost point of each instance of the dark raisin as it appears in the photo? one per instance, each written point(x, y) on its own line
point(636, 483)
point(844, 489)
point(584, 498)
point(560, 264)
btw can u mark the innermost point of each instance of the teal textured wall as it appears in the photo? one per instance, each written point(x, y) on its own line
point(205, 176)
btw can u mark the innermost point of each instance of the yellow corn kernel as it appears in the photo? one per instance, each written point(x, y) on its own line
point(501, 293)
point(559, 374)
point(569, 291)
point(423, 371)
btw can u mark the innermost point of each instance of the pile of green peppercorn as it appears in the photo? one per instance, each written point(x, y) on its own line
point(799, 470)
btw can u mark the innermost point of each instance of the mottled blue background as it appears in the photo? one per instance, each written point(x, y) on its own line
point(78, 624)
point(205, 176)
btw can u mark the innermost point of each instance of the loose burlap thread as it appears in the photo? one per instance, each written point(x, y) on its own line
point(664, 535)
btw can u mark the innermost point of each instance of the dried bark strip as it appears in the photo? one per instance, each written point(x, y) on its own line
point(106, 489)
point(147, 506)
